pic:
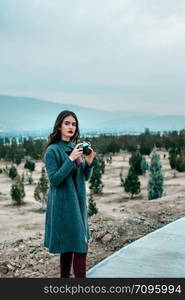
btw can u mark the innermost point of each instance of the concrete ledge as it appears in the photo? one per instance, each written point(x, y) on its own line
point(160, 253)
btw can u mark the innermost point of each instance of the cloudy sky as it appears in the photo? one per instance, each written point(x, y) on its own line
point(115, 55)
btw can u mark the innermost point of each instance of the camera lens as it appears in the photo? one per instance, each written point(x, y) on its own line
point(86, 150)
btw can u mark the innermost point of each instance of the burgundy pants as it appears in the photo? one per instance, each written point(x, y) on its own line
point(79, 264)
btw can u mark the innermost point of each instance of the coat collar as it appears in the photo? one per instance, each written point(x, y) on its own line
point(66, 146)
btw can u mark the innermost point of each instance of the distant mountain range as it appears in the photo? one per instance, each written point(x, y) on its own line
point(25, 113)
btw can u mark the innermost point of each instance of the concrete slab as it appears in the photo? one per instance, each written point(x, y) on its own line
point(159, 254)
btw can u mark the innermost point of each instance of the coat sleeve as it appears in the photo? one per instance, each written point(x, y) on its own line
point(57, 175)
point(87, 170)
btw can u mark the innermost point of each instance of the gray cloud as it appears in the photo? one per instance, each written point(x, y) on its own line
point(101, 53)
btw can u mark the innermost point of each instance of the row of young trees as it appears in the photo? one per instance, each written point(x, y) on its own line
point(17, 190)
point(146, 142)
point(177, 159)
point(103, 144)
point(95, 183)
point(139, 166)
point(131, 184)
point(139, 146)
point(15, 153)
point(40, 192)
point(12, 171)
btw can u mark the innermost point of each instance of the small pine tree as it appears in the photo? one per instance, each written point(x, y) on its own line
point(19, 155)
point(155, 183)
point(12, 172)
point(95, 181)
point(92, 209)
point(102, 164)
point(131, 183)
point(17, 190)
point(121, 177)
point(109, 159)
point(17, 160)
point(30, 179)
point(6, 170)
point(23, 178)
point(144, 165)
point(40, 192)
point(135, 161)
point(173, 152)
point(30, 165)
point(180, 163)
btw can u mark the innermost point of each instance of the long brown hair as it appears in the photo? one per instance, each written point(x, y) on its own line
point(56, 134)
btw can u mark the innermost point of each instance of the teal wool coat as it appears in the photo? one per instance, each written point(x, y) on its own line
point(66, 220)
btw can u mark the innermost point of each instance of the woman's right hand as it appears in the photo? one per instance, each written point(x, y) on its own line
point(77, 152)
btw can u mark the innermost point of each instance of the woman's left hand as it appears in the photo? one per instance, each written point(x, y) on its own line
point(89, 157)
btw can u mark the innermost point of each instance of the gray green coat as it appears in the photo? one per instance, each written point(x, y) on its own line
point(66, 222)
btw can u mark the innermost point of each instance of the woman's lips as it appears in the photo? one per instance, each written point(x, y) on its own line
point(70, 131)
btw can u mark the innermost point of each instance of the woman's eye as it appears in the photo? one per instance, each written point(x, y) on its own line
point(68, 123)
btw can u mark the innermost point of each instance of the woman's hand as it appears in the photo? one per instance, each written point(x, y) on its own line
point(76, 153)
point(89, 157)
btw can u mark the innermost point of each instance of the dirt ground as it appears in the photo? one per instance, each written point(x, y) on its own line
point(120, 220)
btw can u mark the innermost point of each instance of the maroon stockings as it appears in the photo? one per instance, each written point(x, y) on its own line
point(79, 264)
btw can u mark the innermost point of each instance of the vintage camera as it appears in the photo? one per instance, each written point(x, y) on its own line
point(85, 148)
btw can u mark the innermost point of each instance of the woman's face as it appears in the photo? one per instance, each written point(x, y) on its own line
point(68, 128)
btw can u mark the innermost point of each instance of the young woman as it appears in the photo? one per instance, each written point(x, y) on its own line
point(66, 223)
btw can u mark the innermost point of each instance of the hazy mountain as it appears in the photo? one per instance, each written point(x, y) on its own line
point(140, 122)
point(24, 113)
point(31, 113)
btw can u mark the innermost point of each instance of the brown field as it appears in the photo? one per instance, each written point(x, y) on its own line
point(120, 220)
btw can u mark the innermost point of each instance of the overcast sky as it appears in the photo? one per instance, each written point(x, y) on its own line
point(115, 55)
